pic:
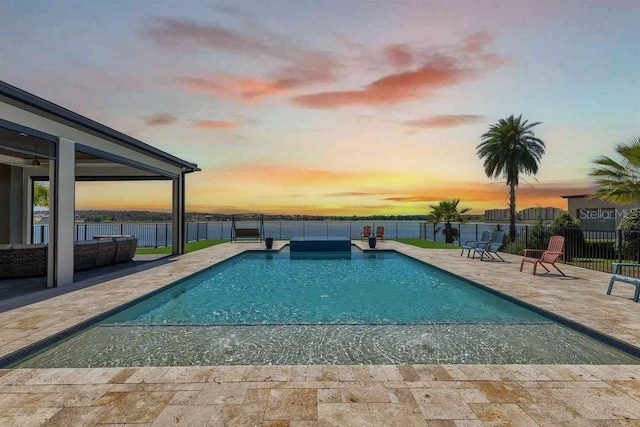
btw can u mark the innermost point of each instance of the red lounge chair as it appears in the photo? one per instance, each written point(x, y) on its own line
point(548, 256)
point(380, 232)
point(366, 232)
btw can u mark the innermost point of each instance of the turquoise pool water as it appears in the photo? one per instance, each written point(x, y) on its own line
point(362, 308)
point(360, 288)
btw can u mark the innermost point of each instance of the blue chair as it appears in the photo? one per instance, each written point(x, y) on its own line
point(491, 248)
point(472, 244)
point(620, 277)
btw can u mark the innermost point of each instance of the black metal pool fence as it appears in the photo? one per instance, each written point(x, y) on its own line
point(594, 249)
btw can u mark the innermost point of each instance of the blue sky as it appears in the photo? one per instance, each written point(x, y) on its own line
point(336, 107)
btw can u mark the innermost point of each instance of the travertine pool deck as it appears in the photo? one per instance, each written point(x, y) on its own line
point(405, 395)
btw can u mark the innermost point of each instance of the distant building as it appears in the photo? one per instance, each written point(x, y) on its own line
point(597, 214)
point(496, 215)
point(546, 214)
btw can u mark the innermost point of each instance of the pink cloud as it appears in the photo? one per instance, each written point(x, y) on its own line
point(295, 65)
point(443, 121)
point(476, 42)
point(160, 119)
point(176, 33)
point(283, 80)
point(398, 55)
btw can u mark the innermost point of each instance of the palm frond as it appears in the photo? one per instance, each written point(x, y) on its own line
point(619, 182)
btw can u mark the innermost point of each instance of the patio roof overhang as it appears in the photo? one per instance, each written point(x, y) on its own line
point(40, 140)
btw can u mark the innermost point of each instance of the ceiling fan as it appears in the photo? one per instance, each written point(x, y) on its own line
point(17, 161)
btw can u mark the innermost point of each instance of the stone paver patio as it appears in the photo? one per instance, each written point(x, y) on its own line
point(406, 395)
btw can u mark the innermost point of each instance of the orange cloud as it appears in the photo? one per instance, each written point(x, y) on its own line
point(440, 68)
point(160, 119)
point(443, 121)
point(390, 89)
point(237, 87)
point(213, 124)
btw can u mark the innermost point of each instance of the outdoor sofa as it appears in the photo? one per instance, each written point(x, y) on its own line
point(21, 260)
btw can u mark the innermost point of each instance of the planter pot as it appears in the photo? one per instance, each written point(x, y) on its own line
point(268, 242)
point(372, 242)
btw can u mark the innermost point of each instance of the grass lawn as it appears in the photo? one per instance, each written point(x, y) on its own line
point(194, 246)
point(189, 247)
point(428, 244)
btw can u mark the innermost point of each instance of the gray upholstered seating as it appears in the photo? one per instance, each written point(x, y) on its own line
point(123, 248)
point(106, 252)
point(85, 253)
point(20, 260)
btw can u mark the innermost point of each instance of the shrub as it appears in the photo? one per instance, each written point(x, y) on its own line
point(562, 221)
point(630, 235)
point(567, 226)
point(516, 247)
point(539, 235)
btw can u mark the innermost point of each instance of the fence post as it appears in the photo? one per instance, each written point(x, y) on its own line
point(42, 234)
point(526, 236)
point(166, 233)
point(155, 243)
point(619, 244)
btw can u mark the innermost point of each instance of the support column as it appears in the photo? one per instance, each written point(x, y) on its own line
point(178, 215)
point(11, 209)
point(62, 178)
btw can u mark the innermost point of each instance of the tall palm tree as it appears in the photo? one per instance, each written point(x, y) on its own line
point(619, 182)
point(510, 148)
point(447, 211)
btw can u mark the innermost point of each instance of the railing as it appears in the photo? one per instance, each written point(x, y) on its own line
point(160, 234)
point(593, 249)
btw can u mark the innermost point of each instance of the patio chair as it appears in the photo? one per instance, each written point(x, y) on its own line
point(546, 256)
point(491, 247)
point(620, 277)
point(472, 244)
point(380, 232)
point(366, 232)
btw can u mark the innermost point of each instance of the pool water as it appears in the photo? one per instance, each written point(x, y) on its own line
point(359, 288)
point(359, 308)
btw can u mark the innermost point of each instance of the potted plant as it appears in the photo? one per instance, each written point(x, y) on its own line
point(268, 241)
point(372, 241)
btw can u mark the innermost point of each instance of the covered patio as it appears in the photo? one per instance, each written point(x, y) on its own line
point(42, 141)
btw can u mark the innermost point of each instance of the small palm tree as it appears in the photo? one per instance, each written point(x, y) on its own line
point(447, 211)
point(510, 148)
point(619, 182)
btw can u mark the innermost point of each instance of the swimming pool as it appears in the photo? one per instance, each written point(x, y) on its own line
point(359, 308)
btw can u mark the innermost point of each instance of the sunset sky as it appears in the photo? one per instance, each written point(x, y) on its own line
point(335, 107)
